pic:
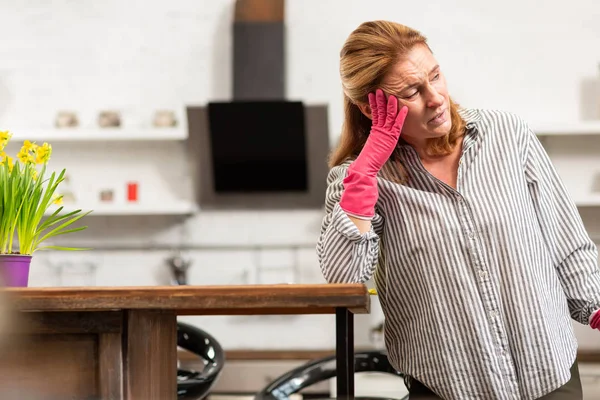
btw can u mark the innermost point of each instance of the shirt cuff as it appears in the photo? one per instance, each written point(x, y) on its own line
point(344, 225)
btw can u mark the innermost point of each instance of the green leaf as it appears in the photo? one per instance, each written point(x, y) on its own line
point(55, 231)
point(24, 202)
point(54, 218)
point(64, 248)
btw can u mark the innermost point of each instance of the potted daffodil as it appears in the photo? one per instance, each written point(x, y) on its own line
point(26, 194)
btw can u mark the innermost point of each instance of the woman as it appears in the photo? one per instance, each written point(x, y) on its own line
point(482, 258)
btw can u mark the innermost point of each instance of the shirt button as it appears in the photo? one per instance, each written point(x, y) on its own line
point(471, 235)
point(494, 314)
point(483, 273)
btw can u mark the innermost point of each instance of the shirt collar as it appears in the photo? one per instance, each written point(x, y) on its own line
point(470, 116)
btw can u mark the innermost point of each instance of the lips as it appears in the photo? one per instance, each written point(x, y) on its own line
point(438, 115)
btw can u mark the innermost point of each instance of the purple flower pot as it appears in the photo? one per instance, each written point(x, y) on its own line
point(14, 269)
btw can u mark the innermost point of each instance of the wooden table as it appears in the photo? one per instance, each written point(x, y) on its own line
point(121, 343)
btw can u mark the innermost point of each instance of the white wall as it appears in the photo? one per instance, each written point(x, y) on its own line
point(139, 56)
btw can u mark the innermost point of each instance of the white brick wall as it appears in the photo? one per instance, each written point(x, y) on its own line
point(139, 56)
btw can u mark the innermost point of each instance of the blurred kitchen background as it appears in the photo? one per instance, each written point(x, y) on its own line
point(130, 94)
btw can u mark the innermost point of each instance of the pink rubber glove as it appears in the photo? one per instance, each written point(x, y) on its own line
point(595, 320)
point(360, 185)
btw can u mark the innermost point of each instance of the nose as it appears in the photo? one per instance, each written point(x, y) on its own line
point(434, 99)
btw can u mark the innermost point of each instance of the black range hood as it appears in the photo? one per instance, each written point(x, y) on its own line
point(260, 150)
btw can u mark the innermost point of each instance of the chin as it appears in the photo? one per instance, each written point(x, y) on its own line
point(442, 130)
point(437, 133)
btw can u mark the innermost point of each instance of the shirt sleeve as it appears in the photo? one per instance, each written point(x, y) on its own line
point(345, 255)
point(573, 252)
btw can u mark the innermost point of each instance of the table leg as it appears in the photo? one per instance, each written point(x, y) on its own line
point(344, 326)
point(151, 355)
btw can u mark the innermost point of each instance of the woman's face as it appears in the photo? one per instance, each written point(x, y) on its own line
point(418, 83)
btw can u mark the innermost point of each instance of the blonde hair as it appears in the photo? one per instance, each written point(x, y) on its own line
point(367, 56)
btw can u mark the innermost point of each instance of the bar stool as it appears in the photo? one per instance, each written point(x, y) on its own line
point(325, 368)
point(196, 385)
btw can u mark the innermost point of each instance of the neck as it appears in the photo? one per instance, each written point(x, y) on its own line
point(420, 147)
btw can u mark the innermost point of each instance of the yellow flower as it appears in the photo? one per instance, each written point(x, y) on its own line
point(4, 139)
point(27, 152)
point(28, 146)
point(34, 174)
point(42, 153)
point(6, 160)
point(25, 157)
point(58, 199)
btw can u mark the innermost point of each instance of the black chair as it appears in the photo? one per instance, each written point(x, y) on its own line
point(196, 385)
point(323, 369)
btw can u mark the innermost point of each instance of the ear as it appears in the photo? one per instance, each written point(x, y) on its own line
point(365, 109)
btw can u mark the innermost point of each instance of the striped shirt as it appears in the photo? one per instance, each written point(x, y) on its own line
point(478, 285)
